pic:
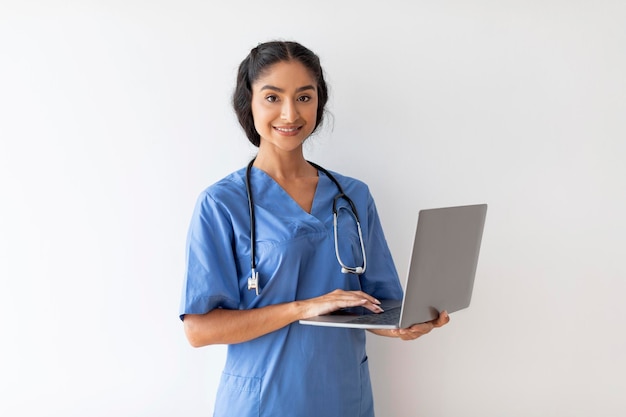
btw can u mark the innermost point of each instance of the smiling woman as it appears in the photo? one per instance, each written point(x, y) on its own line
point(284, 107)
point(277, 213)
point(257, 64)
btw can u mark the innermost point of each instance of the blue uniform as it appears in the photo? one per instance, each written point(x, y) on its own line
point(297, 370)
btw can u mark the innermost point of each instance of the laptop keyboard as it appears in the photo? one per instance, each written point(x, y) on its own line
point(388, 317)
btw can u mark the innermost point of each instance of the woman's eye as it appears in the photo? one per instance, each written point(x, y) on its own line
point(271, 98)
point(304, 98)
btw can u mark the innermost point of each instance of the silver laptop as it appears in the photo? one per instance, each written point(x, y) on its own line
point(441, 272)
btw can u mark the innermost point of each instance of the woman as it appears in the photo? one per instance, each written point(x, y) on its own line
point(275, 366)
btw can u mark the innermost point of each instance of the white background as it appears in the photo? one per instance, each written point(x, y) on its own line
point(114, 115)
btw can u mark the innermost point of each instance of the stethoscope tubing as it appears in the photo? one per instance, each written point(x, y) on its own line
point(253, 280)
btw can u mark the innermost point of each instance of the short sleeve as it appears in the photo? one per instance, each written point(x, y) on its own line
point(210, 279)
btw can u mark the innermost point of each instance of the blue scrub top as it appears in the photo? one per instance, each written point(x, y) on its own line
point(297, 370)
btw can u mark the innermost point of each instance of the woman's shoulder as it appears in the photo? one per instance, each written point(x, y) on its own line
point(232, 186)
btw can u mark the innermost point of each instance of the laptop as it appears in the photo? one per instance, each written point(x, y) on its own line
point(441, 273)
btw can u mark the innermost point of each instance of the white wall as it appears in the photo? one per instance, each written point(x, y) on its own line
point(115, 114)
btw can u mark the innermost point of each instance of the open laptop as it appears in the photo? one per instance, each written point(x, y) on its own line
point(441, 272)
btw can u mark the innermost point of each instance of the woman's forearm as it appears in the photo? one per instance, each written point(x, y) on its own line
point(222, 326)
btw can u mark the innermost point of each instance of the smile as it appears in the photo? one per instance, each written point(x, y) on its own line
point(288, 131)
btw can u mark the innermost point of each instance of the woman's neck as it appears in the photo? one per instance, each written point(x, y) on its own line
point(284, 165)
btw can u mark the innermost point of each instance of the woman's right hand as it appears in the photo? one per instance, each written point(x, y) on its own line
point(336, 300)
point(222, 326)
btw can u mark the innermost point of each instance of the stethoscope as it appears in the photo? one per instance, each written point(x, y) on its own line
point(253, 281)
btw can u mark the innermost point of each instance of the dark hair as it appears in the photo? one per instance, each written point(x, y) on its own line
point(254, 66)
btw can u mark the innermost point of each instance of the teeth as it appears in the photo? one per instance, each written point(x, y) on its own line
point(282, 129)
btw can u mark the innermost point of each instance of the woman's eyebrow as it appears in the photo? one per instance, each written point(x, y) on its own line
point(280, 90)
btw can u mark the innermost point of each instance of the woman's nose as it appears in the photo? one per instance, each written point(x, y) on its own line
point(289, 112)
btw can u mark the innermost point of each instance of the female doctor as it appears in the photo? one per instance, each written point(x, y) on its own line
point(262, 254)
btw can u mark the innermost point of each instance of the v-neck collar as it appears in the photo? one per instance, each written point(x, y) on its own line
point(265, 186)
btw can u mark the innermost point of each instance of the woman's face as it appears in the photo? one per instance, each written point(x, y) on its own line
point(284, 105)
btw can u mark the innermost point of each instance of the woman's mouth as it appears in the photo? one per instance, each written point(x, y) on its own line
point(288, 130)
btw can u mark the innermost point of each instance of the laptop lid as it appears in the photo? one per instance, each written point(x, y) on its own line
point(441, 271)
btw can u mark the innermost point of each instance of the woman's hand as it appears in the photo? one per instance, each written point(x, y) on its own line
point(336, 300)
point(417, 330)
point(222, 326)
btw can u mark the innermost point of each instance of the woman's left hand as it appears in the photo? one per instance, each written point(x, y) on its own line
point(417, 330)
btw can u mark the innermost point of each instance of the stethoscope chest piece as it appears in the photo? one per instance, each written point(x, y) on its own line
point(253, 281)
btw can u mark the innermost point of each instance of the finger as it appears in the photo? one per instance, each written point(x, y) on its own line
point(344, 302)
point(359, 298)
point(363, 302)
point(356, 295)
point(417, 330)
point(443, 319)
point(375, 308)
point(368, 297)
point(411, 334)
